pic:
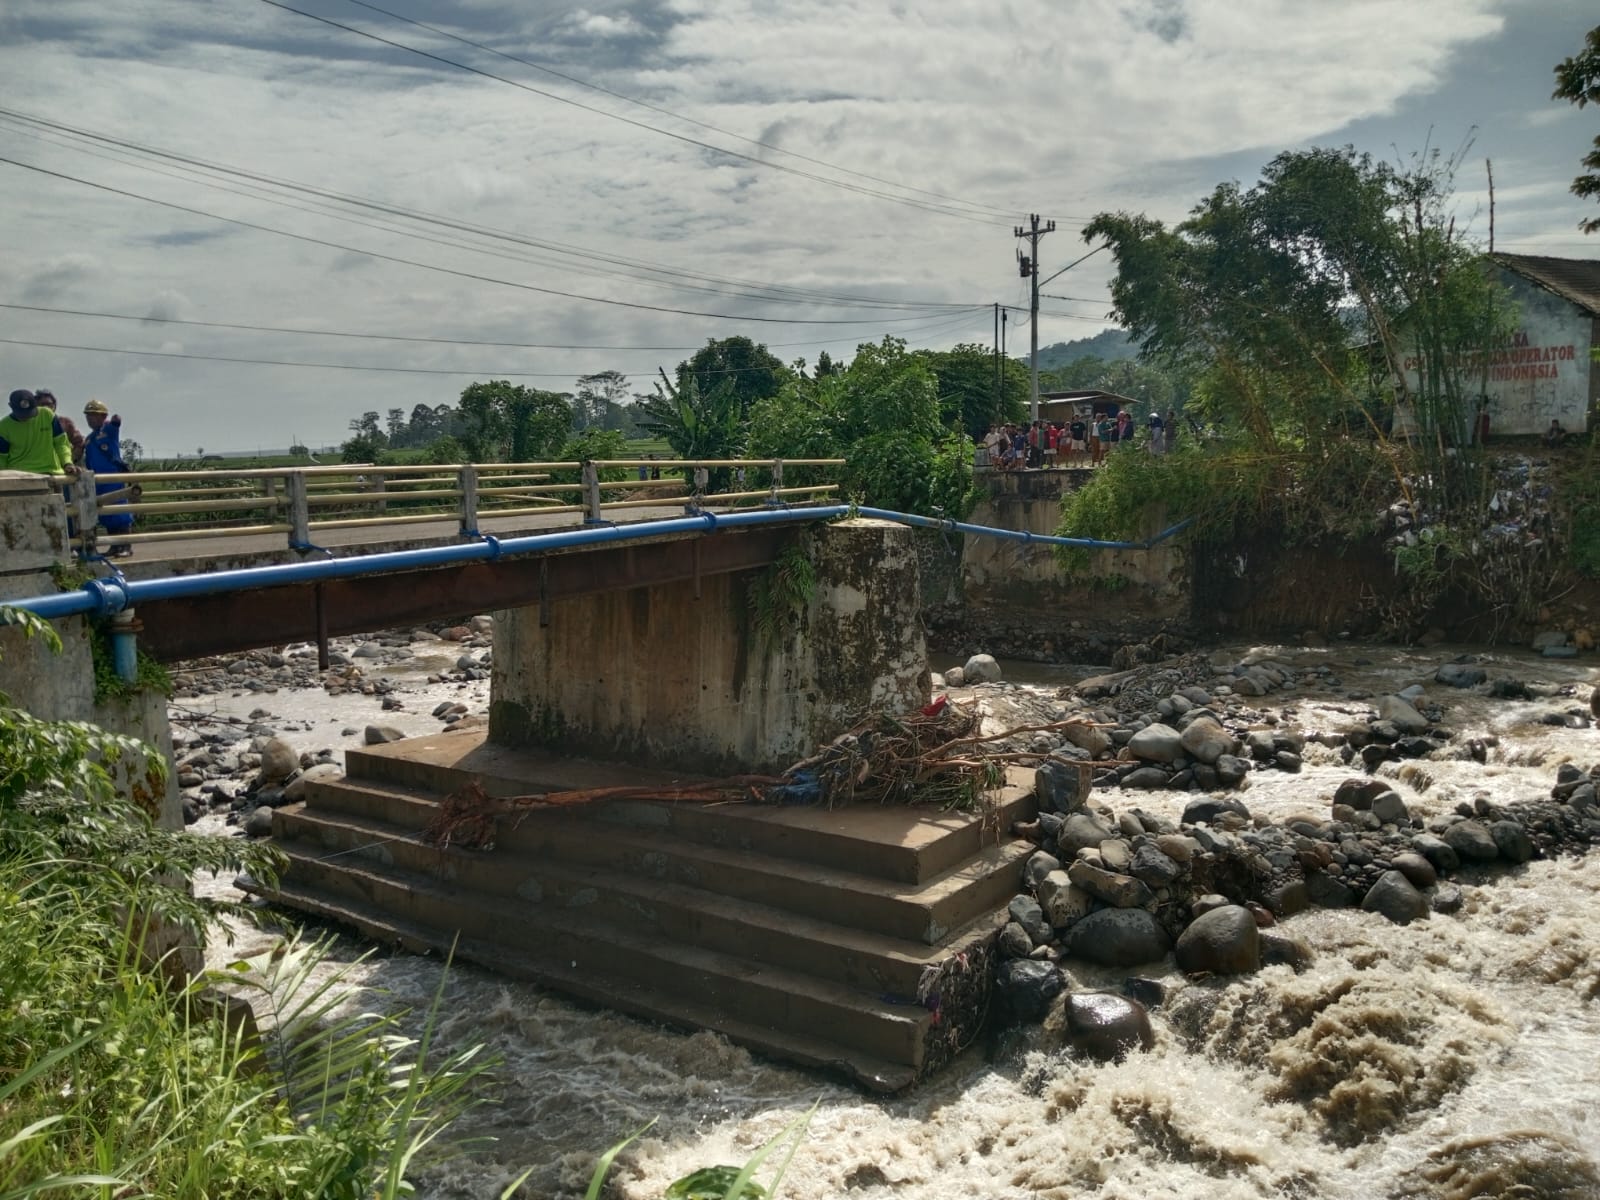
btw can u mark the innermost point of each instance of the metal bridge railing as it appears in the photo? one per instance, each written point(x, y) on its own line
point(298, 502)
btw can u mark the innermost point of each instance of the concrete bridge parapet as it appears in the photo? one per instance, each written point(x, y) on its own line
point(685, 676)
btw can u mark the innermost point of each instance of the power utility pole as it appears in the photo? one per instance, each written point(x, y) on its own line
point(1029, 264)
point(997, 369)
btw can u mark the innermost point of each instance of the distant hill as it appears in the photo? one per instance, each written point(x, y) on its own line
point(1108, 344)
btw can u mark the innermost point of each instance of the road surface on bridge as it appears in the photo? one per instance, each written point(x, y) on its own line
point(209, 552)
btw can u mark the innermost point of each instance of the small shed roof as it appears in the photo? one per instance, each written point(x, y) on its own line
point(1573, 279)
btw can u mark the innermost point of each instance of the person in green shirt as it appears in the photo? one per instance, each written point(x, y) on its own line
point(33, 440)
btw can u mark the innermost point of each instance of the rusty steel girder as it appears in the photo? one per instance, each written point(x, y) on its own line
point(228, 622)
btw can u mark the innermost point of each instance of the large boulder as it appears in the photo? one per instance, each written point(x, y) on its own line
point(1401, 715)
point(1061, 786)
point(1026, 986)
point(1395, 898)
point(1360, 793)
point(296, 788)
point(1118, 937)
point(1224, 941)
point(1459, 675)
point(1119, 891)
point(1206, 741)
point(1512, 840)
point(1471, 842)
point(1063, 902)
point(1204, 810)
point(1102, 1025)
point(982, 668)
point(1080, 831)
point(1025, 911)
point(278, 761)
point(1156, 743)
point(1087, 737)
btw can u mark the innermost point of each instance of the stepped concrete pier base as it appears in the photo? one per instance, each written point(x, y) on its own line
point(857, 940)
point(688, 676)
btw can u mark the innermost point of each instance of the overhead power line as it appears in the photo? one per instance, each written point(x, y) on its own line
point(393, 258)
point(677, 116)
point(860, 189)
point(939, 323)
point(777, 293)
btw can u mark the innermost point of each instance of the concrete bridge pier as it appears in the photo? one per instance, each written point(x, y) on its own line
point(720, 675)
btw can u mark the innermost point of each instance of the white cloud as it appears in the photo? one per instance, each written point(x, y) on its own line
point(1033, 106)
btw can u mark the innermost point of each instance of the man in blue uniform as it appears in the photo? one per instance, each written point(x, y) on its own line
point(102, 454)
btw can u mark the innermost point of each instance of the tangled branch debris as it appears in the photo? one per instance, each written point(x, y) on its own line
point(934, 758)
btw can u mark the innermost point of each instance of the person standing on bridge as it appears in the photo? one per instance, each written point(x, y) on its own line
point(31, 439)
point(102, 454)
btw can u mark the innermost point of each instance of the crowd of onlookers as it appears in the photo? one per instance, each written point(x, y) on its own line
point(36, 438)
point(1083, 441)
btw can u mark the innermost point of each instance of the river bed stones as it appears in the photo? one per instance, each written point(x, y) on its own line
point(1223, 941)
point(1102, 1025)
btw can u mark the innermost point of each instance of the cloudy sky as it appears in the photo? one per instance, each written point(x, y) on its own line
point(812, 175)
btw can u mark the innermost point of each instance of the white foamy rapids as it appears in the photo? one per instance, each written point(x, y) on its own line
point(1452, 1059)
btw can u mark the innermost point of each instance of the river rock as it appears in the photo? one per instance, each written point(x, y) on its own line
point(1328, 891)
point(1081, 830)
point(1062, 901)
point(1025, 911)
point(1448, 899)
point(1038, 866)
point(955, 677)
point(1459, 675)
point(278, 761)
point(1285, 950)
point(1147, 779)
point(1395, 898)
point(1206, 741)
point(1401, 715)
point(1390, 809)
point(1176, 846)
point(1360, 793)
point(1471, 842)
point(982, 668)
point(1087, 737)
point(1027, 986)
point(1119, 891)
point(377, 735)
point(259, 823)
point(1015, 942)
point(1153, 868)
point(1511, 840)
point(295, 789)
point(1118, 937)
point(1416, 868)
point(1116, 855)
point(1231, 770)
point(1105, 1026)
point(1156, 743)
point(1204, 810)
point(1437, 851)
point(1060, 786)
point(1224, 941)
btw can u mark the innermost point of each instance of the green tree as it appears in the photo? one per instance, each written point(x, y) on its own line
point(505, 422)
point(694, 423)
point(971, 396)
point(747, 371)
point(600, 401)
point(1578, 81)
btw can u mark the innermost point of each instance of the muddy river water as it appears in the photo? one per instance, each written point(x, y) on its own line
point(1457, 1057)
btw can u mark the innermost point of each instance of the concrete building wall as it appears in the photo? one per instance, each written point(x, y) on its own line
point(664, 678)
point(1546, 373)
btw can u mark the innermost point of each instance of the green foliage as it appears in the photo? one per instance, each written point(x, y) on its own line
point(505, 422)
point(113, 1078)
point(736, 369)
point(149, 676)
point(1578, 80)
point(973, 395)
point(696, 424)
point(361, 449)
point(711, 1183)
point(779, 596)
point(445, 450)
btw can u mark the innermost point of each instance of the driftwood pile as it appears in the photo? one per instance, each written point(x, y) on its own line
point(935, 757)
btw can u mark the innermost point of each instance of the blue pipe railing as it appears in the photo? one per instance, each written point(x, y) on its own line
point(104, 597)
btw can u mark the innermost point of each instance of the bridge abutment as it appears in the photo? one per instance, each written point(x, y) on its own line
point(730, 673)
